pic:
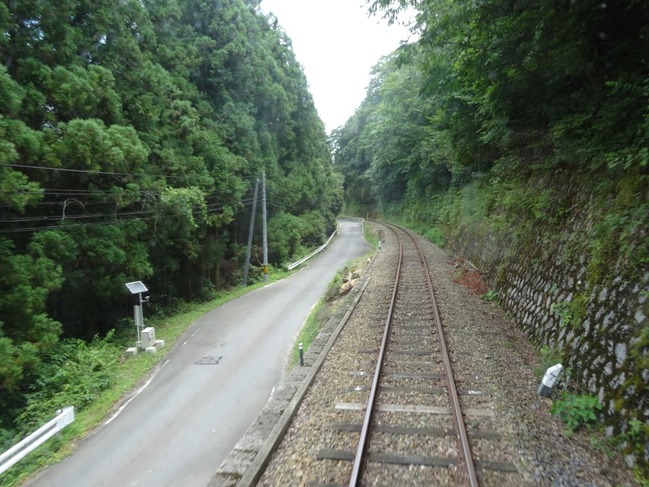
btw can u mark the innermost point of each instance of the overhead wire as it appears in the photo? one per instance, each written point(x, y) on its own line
point(103, 173)
point(208, 206)
point(62, 217)
point(113, 173)
point(112, 216)
point(111, 221)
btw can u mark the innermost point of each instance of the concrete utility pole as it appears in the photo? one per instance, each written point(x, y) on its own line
point(263, 195)
point(246, 265)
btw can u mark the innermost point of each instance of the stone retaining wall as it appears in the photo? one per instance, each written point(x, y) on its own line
point(601, 329)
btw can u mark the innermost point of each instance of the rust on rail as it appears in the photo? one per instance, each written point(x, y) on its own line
point(364, 441)
point(452, 390)
point(361, 456)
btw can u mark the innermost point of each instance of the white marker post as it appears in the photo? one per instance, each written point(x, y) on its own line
point(549, 378)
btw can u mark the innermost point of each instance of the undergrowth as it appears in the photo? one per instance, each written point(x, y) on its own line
point(92, 377)
point(577, 410)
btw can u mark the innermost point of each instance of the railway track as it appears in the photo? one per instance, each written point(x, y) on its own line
point(395, 402)
point(407, 288)
point(413, 400)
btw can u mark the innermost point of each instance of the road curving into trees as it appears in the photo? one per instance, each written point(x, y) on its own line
point(204, 395)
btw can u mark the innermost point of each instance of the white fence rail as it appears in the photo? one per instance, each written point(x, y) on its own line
point(37, 438)
point(315, 252)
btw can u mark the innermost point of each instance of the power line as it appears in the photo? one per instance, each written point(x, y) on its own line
point(73, 225)
point(97, 192)
point(111, 173)
point(113, 220)
point(94, 193)
point(103, 173)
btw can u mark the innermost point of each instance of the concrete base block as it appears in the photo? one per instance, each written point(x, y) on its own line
point(159, 343)
point(150, 350)
point(131, 352)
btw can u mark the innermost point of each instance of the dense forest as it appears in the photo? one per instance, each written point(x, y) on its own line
point(500, 90)
point(132, 134)
point(526, 123)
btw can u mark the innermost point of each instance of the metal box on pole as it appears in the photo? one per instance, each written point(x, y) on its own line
point(137, 288)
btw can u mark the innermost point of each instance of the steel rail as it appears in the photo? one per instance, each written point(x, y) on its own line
point(452, 389)
point(363, 445)
point(364, 441)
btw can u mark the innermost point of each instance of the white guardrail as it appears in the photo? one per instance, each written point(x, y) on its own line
point(37, 438)
point(315, 252)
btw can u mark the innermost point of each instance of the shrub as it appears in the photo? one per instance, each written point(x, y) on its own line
point(333, 288)
point(285, 231)
point(576, 410)
point(73, 375)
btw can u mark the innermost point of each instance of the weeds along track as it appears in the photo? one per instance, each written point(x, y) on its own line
point(388, 406)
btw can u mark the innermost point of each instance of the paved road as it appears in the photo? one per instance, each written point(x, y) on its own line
point(209, 389)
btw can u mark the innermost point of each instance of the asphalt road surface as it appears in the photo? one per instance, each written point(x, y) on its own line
point(203, 396)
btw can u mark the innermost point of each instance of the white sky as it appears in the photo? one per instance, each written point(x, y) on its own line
point(337, 44)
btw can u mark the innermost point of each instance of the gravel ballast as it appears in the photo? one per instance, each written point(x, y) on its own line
point(486, 348)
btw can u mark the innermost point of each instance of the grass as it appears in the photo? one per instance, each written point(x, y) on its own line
point(309, 331)
point(490, 296)
point(173, 327)
point(326, 306)
point(130, 372)
point(549, 356)
point(371, 236)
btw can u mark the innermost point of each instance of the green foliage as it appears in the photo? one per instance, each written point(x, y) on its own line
point(314, 229)
point(564, 311)
point(131, 133)
point(371, 236)
point(490, 296)
point(333, 287)
point(576, 410)
point(310, 330)
point(512, 96)
point(26, 331)
point(154, 137)
point(636, 430)
point(74, 373)
point(183, 210)
point(435, 235)
point(571, 312)
point(530, 125)
point(285, 230)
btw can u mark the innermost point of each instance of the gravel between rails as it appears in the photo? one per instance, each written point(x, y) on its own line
point(487, 347)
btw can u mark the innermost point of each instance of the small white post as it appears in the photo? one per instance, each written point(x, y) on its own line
point(549, 378)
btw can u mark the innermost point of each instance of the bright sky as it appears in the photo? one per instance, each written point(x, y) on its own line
point(337, 44)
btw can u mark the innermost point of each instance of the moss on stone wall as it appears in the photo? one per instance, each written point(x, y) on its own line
point(569, 258)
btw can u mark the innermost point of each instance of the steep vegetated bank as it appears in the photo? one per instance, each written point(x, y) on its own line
point(132, 134)
point(517, 134)
point(576, 280)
